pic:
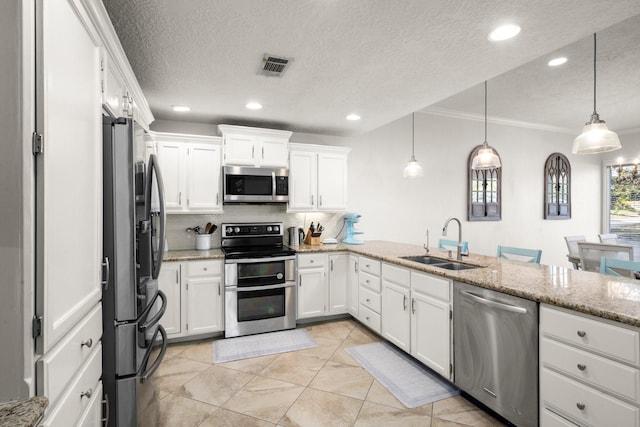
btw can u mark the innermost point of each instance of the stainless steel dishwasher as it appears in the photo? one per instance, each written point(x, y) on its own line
point(496, 351)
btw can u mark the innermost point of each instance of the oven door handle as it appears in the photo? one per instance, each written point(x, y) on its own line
point(260, 288)
point(259, 260)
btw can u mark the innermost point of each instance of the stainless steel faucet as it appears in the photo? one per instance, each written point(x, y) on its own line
point(444, 233)
point(426, 246)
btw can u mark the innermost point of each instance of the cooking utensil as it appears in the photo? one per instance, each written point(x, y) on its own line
point(197, 229)
point(212, 228)
point(207, 228)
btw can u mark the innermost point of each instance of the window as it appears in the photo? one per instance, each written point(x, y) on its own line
point(557, 189)
point(485, 197)
point(622, 202)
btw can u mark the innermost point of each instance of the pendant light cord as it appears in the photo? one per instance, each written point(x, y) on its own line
point(413, 135)
point(594, 74)
point(485, 111)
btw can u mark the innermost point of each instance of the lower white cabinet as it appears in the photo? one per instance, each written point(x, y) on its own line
point(352, 286)
point(195, 297)
point(322, 284)
point(589, 370)
point(338, 283)
point(396, 299)
point(369, 296)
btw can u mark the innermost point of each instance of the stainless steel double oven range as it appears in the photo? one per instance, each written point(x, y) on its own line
point(260, 279)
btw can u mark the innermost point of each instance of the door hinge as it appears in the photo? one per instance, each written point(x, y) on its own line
point(37, 143)
point(101, 64)
point(101, 86)
point(36, 327)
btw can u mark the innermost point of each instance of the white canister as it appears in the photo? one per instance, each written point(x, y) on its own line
point(203, 242)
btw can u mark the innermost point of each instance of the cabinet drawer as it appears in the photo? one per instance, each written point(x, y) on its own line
point(433, 286)
point(77, 396)
point(204, 268)
point(370, 281)
point(397, 275)
point(551, 419)
point(92, 415)
point(312, 260)
point(370, 299)
point(56, 368)
point(369, 318)
point(612, 376)
point(369, 265)
point(610, 340)
point(598, 409)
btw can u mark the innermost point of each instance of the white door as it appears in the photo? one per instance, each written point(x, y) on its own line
point(203, 188)
point(274, 152)
point(332, 181)
point(239, 150)
point(302, 180)
point(353, 301)
point(396, 315)
point(68, 172)
point(169, 283)
point(312, 292)
point(431, 333)
point(171, 157)
point(338, 287)
point(204, 305)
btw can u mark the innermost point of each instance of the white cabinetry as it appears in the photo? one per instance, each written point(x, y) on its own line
point(396, 314)
point(338, 283)
point(369, 293)
point(322, 284)
point(115, 96)
point(195, 297)
point(352, 286)
point(255, 146)
point(317, 178)
point(191, 169)
point(588, 370)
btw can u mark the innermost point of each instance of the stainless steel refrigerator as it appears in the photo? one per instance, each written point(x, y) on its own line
point(134, 235)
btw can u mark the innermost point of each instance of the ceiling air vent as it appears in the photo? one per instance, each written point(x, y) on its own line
point(274, 66)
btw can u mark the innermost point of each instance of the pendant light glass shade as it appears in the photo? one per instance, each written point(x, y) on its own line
point(413, 168)
point(486, 158)
point(595, 136)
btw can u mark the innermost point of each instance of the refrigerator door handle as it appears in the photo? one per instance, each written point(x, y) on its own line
point(145, 372)
point(156, 317)
point(105, 274)
point(154, 169)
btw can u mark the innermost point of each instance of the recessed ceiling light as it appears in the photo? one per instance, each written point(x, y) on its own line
point(504, 32)
point(253, 105)
point(557, 61)
point(353, 117)
point(180, 108)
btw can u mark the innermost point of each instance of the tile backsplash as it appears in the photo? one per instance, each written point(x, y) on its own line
point(178, 238)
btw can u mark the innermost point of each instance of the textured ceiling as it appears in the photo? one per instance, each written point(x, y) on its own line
point(382, 59)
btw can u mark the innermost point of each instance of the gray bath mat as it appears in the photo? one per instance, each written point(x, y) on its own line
point(404, 377)
point(230, 349)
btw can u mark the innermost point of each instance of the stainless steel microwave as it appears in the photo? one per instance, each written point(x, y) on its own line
point(255, 185)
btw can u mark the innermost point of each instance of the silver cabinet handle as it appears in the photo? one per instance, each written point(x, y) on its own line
point(217, 198)
point(300, 280)
point(582, 367)
point(581, 334)
point(331, 265)
point(368, 300)
point(581, 406)
point(177, 277)
point(367, 265)
point(413, 305)
point(355, 267)
point(253, 152)
point(312, 199)
point(88, 343)
point(320, 199)
point(218, 288)
point(86, 394)
point(180, 197)
point(262, 153)
point(495, 304)
point(404, 302)
point(311, 261)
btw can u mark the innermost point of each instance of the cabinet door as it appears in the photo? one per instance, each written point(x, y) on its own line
point(353, 301)
point(274, 152)
point(431, 333)
point(332, 182)
point(396, 316)
point(203, 188)
point(68, 205)
point(338, 288)
point(169, 283)
point(239, 150)
point(113, 87)
point(302, 180)
point(171, 157)
point(204, 305)
point(312, 292)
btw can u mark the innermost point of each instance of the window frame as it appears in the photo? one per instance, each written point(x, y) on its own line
point(555, 158)
point(487, 216)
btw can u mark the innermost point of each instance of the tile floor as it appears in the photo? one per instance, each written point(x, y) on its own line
point(322, 386)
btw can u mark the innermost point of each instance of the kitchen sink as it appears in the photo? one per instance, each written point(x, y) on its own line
point(439, 262)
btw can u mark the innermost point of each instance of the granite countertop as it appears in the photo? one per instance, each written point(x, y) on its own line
point(193, 255)
point(609, 297)
point(22, 413)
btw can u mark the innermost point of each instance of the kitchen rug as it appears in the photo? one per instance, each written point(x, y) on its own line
point(409, 381)
point(230, 349)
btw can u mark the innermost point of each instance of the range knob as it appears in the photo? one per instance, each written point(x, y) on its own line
point(276, 229)
point(268, 229)
point(237, 229)
point(229, 230)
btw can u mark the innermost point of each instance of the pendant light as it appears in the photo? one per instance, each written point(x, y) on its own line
point(486, 158)
point(595, 136)
point(413, 168)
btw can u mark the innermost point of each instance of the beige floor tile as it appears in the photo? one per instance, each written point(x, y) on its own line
point(176, 411)
point(294, 368)
point(214, 385)
point(325, 349)
point(225, 418)
point(346, 380)
point(379, 394)
point(341, 356)
point(200, 351)
point(253, 365)
point(361, 335)
point(339, 329)
point(175, 371)
point(264, 398)
point(460, 410)
point(437, 422)
point(320, 408)
point(375, 415)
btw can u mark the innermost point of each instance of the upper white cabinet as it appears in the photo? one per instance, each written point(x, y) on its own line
point(190, 166)
point(257, 147)
point(317, 178)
